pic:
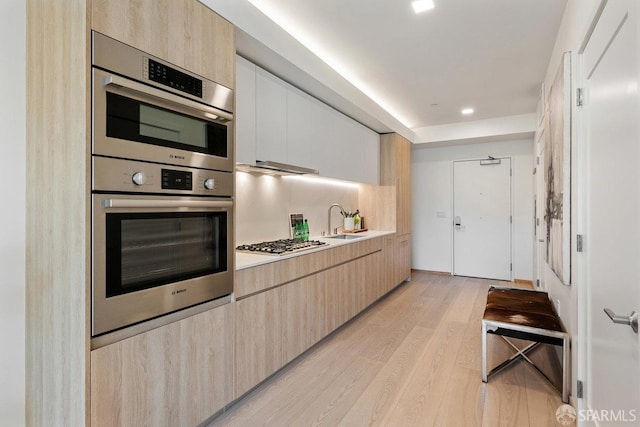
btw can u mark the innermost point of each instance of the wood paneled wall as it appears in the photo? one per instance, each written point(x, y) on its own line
point(395, 171)
point(183, 32)
point(57, 258)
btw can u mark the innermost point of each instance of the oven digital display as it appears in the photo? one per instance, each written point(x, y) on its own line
point(176, 180)
point(175, 79)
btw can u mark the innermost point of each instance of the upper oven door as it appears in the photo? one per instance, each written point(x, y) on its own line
point(135, 121)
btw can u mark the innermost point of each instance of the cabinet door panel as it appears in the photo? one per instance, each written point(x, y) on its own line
point(178, 374)
point(403, 199)
point(297, 331)
point(324, 300)
point(183, 32)
point(395, 170)
point(258, 338)
point(245, 116)
point(389, 261)
point(403, 258)
point(368, 144)
point(299, 137)
point(271, 117)
point(374, 278)
point(346, 160)
point(323, 139)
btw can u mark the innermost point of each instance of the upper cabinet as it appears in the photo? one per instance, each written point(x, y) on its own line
point(271, 117)
point(283, 124)
point(245, 114)
point(183, 32)
point(300, 147)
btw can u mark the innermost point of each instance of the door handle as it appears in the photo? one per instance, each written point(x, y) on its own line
point(457, 222)
point(170, 204)
point(165, 99)
point(631, 320)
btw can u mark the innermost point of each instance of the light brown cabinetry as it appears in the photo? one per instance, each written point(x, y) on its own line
point(395, 171)
point(299, 314)
point(402, 267)
point(57, 294)
point(258, 338)
point(178, 374)
point(136, 380)
point(389, 262)
point(183, 32)
point(316, 294)
point(257, 279)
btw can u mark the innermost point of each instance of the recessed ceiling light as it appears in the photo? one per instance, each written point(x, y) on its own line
point(467, 111)
point(422, 5)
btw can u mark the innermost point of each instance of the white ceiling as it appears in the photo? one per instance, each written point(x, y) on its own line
point(490, 55)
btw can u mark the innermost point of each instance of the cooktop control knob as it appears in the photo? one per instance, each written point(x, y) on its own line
point(209, 183)
point(139, 178)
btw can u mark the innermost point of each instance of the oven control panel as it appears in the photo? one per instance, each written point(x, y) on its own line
point(173, 78)
point(119, 175)
point(177, 180)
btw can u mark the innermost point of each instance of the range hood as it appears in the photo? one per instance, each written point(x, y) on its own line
point(275, 168)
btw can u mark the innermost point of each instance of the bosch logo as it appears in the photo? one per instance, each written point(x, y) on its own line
point(179, 291)
point(175, 156)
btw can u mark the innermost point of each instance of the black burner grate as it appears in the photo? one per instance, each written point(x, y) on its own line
point(280, 247)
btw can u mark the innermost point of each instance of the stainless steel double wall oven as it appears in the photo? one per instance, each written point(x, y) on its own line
point(162, 189)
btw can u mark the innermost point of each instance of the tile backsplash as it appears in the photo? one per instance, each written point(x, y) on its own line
point(264, 202)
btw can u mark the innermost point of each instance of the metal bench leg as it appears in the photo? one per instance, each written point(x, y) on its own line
point(565, 370)
point(484, 352)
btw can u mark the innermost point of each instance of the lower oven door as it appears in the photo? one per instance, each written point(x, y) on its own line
point(154, 255)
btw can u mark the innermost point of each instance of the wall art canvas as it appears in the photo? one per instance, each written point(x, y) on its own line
point(557, 177)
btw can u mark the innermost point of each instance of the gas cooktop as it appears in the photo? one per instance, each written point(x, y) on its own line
point(280, 247)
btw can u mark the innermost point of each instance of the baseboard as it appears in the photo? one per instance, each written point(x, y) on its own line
point(442, 273)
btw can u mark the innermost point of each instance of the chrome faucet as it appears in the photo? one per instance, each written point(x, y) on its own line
point(335, 231)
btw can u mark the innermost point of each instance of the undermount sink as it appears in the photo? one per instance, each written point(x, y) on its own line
point(345, 236)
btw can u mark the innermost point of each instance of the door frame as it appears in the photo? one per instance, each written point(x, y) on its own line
point(538, 222)
point(579, 200)
point(453, 241)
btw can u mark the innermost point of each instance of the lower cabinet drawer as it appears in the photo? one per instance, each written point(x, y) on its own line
point(178, 374)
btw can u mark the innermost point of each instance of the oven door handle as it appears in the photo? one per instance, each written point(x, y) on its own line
point(172, 204)
point(166, 99)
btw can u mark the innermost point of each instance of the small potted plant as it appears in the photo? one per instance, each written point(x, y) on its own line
point(349, 220)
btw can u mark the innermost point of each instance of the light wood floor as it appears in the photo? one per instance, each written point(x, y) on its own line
point(412, 359)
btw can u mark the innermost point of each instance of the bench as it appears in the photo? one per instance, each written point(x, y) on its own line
point(528, 315)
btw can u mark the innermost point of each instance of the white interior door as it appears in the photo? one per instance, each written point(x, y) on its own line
point(612, 191)
point(482, 219)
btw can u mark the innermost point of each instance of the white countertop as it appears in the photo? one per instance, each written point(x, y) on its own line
point(246, 260)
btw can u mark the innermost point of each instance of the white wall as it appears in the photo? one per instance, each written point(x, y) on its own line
point(574, 28)
point(432, 192)
point(12, 214)
point(264, 202)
